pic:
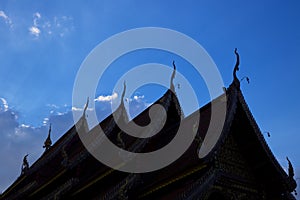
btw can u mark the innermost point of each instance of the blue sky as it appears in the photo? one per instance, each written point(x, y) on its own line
point(43, 44)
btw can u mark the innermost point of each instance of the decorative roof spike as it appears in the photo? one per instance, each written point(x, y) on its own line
point(236, 68)
point(124, 90)
point(25, 165)
point(121, 117)
point(123, 109)
point(290, 169)
point(48, 142)
point(172, 88)
point(85, 107)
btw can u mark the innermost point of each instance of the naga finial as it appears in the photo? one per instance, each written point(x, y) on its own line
point(236, 67)
point(86, 106)
point(172, 77)
point(290, 168)
point(48, 142)
point(122, 107)
point(25, 165)
point(124, 90)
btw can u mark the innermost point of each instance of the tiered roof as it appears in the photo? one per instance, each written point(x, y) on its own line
point(68, 170)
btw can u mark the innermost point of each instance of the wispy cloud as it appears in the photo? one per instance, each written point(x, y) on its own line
point(4, 104)
point(7, 20)
point(52, 106)
point(37, 15)
point(41, 25)
point(137, 104)
point(56, 26)
point(103, 98)
point(3, 15)
point(138, 98)
point(45, 121)
point(80, 109)
point(35, 31)
point(18, 139)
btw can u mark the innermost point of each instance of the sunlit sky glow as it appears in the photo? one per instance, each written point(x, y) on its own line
point(43, 44)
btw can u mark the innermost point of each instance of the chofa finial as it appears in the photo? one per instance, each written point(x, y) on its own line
point(124, 90)
point(85, 107)
point(25, 165)
point(172, 87)
point(236, 67)
point(290, 168)
point(123, 117)
point(48, 142)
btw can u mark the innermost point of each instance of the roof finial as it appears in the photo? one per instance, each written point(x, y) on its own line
point(85, 107)
point(25, 165)
point(236, 67)
point(290, 169)
point(123, 92)
point(123, 117)
point(48, 142)
point(172, 77)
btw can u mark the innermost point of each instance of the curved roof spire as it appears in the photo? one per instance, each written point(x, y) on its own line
point(48, 142)
point(236, 68)
point(121, 117)
point(122, 108)
point(123, 93)
point(290, 169)
point(25, 165)
point(172, 87)
point(85, 107)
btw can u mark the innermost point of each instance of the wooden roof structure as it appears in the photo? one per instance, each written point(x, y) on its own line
point(240, 166)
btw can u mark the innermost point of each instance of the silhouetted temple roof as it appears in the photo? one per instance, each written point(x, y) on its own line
point(68, 170)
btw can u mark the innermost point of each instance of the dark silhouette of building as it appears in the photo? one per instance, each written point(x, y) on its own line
point(240, 166)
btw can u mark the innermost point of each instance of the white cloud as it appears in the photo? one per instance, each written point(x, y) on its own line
point(18, 139)
point(60, 25)
point(52, 106)
point(57, 26)
point(136, 97)
point(3, 15)
point(25, 126)
point(4, 104)
point(35, 31)
point(6, 18)
point(45, 121)
point(80, 109)
point(77, 109)
point(60, 113)
point(102, 98)
point(37, 15)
